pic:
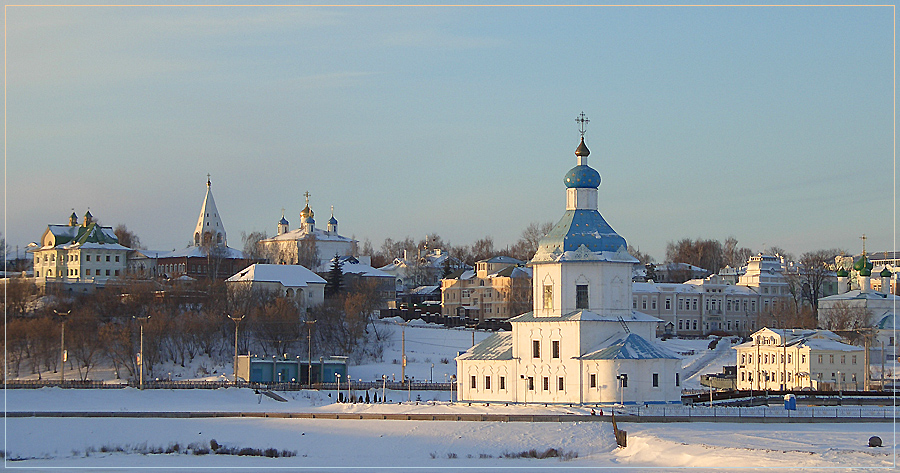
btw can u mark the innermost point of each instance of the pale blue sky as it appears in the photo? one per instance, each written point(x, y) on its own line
point(771, 124)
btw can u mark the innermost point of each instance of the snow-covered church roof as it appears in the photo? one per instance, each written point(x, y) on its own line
point(496, 347)
point(628, 346)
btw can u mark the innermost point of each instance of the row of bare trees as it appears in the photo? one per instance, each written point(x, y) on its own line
point(179, 324)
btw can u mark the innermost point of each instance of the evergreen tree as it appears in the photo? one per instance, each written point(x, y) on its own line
point(335, 281)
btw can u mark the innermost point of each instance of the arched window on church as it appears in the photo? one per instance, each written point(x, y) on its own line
point(219, 238)
point(289, 292)
point(197, 238)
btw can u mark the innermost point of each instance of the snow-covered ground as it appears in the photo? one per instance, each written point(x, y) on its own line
point(50, 443)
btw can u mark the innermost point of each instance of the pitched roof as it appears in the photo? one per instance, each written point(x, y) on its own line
point(289, 275)
point(496, 347)
point(628, 346)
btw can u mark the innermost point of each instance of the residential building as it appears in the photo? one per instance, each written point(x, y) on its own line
point(796, 359)
point(714, 304)
point(498, 288)
point(425, 268)
point(358, 270)
point(78, 257)
point(307, 245)
point(581, 343)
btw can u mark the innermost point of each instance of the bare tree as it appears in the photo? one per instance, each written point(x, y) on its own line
point(644, 258)
point(527, 245)
point(707, 254)
point(252, 248)
point(843, 316)
point(127, 238)
point(733, 255)
point(812, 273)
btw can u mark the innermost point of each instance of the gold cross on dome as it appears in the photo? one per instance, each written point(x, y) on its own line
point(582, 120)
point(307, 194)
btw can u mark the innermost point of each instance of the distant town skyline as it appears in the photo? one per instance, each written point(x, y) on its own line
point(774, 125)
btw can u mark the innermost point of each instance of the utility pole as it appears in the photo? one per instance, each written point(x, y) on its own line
point(309, 325)
point(62, 344)
point(237, 321)
point(141, 355)
point(403, 350)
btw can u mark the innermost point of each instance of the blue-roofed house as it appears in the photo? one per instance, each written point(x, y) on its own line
point(582, 342)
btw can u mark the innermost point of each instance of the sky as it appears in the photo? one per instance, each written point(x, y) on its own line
point(774, 125)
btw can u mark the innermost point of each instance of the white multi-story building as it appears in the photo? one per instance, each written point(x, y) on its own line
point(582, 342)
point(304, 287)
point(78, 257)
point(794, 359)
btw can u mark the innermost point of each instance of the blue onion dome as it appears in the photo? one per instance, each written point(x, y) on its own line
point(283, 221)
point(332, 220)
point(842, 273)
point(885, 273)
point(582, 176)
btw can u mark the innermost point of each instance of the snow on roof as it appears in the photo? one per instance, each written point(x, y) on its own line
point(302, 234)
point(512, 272)
point(584, 315)
point(622, 346)
point(424, 290)
point(200, 252)
point(856, 294)
point(496, 347)
point(289, 275)
point(502, 259)
point(827, 344)
point(364, 270)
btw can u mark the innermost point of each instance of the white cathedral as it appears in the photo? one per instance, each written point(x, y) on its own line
point(582, 343)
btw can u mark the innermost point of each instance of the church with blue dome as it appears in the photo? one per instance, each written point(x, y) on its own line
point(582, 343)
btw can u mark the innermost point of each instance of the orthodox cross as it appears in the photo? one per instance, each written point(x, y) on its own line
point(208, 183)
point(282, 212)
point(332, 211)
point(864, 238)
point(307, 194)
point(582, 120)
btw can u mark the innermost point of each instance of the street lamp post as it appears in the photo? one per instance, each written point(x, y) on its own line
point(309, 325)
point(237, 321)
point(141, 356)
point(432, 372)
point(383, 386)
point(337, 389)
point(452, 386)
point(62, 344)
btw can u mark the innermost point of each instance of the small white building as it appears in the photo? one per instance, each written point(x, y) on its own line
point(582, 342)
point(794, 359)
point(305, 287)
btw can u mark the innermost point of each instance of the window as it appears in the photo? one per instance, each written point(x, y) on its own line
point(843, 359)
point(531, 383)
point(107, 258)
point(88, 257)
point(634, 303)
point(743, 358)
point(644, 302)
point(782, 358)
point(695, 303)
point(487, 383)
point(653, 304)
point(593, 380)
point(831, 359)
point(789, 358)
point(677, 379)
point(853, 359)
point(555, 348)
point(107, 272)
point(473, 382)
point(546, 383)
point(668, 303)
point(548, 297)
point(535, 348)
point(503, 383)
point(750, 358)
point(655, 380)
point(680, 324)
point(581, 296)
point(117, 258)
point(820, 359)
point(802, 358)
point(561, 383)
point(695, 324)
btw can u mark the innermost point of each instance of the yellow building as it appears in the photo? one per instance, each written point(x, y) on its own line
point(795, 359)
point(498, 288)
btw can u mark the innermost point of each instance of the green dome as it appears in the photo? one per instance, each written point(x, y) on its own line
point(865, 272)
point(886, 273)
point(842, 273)
point(860, 264)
